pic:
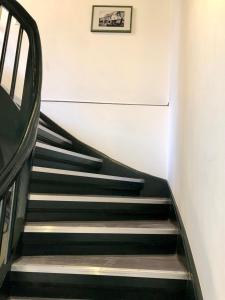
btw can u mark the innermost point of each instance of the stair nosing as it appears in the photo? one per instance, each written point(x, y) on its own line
point(67, 152)
point(154, 228)
point(95, 199)
point(84, 174)
point(43, 128)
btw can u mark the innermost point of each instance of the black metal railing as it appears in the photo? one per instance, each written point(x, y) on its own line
point(18, 127)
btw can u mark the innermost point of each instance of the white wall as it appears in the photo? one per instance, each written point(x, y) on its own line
point(197, 138)
point(134, 135)
point(105, 67)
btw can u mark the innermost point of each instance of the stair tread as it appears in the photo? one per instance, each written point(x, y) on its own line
point(43, 128)
point(67, 152)
point(107, 227)
point(144, 266)
point(101, 199)
point(85, 174)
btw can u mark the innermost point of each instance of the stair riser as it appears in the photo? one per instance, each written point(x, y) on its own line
point(74, 211)
point(87, 244)
point(51, 183)
point(45, 187)
point(65, 166)
point(84, 181)
point(95, 287)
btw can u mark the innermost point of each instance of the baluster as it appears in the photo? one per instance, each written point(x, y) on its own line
point(28, 86)
point(2, 219)
point(11, 222)
point(16, 62)
point(5, 44)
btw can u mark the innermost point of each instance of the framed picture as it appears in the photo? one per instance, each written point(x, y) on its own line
point(111, 18)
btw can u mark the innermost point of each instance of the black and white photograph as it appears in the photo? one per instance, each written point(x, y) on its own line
point(111, 19)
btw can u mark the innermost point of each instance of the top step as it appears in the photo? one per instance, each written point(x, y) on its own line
point(52, 138)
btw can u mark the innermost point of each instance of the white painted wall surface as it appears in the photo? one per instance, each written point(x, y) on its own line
point(133, 135)
point(197, 139)
point(105, 67)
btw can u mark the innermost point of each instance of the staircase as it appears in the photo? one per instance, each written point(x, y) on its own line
point(90, 235)
point(76, 224)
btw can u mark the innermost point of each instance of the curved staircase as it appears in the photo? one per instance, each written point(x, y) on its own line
point(75, 224)
point(92, 235)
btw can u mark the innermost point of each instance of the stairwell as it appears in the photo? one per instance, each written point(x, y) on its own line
point(76, 224)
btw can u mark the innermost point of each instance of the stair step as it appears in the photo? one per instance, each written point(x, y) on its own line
point(50, 137)
point(107, 227)
point(101, 277)
point(47, 130)
point(55, 207)
point(85, 175)
point(51, 156)
point(46, 180)
point(104, 237)
point(141, 266)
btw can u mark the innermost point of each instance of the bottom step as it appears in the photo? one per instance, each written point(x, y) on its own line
point(143, 266)
point(125, 277)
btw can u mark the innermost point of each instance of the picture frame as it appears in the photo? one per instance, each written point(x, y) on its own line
point(111, 18)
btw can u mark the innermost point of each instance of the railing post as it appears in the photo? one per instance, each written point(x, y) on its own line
point(16, 62)
point(5, 44)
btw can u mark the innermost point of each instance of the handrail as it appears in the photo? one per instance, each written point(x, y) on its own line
point(30, 108)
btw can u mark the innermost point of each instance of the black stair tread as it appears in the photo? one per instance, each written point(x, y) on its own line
point(85, 174)
point(97, 199)
point(66, 152)
point(104, 227)
point(51, 132)
point(142, 266)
